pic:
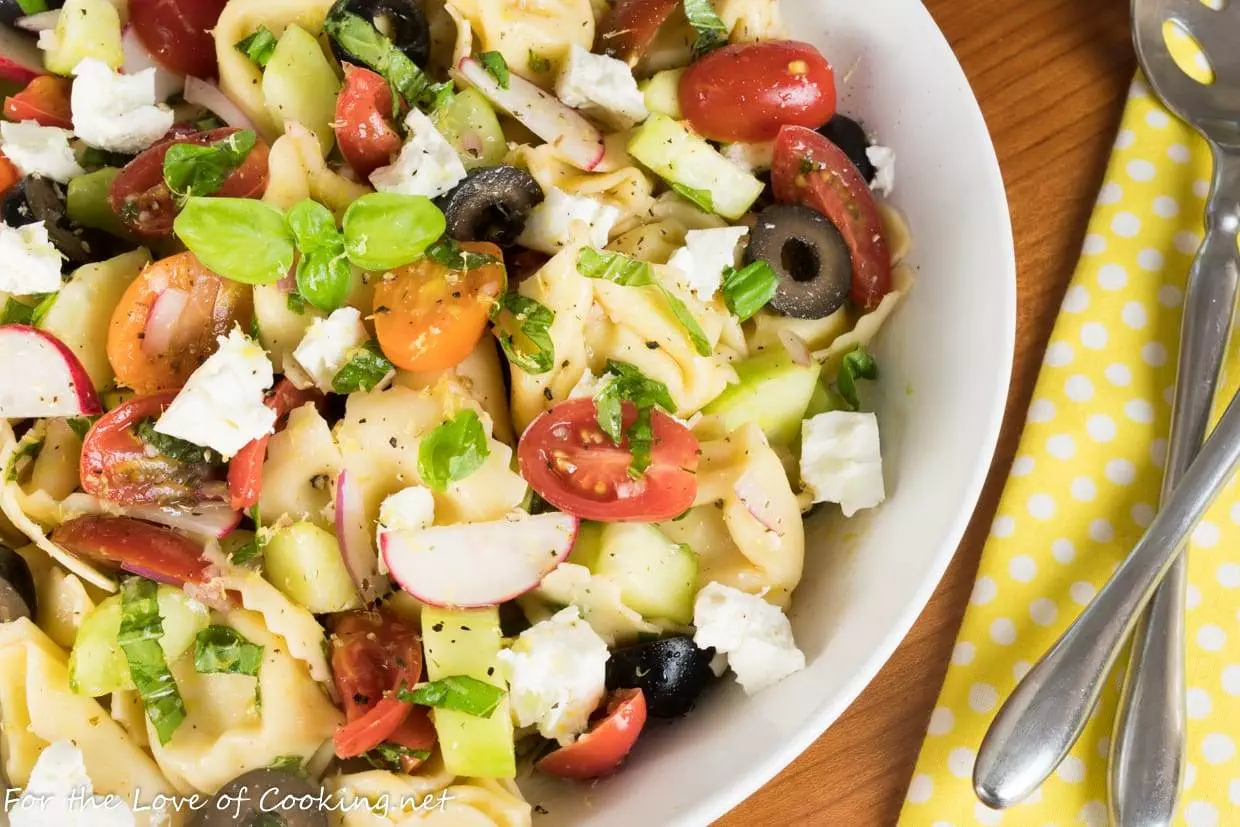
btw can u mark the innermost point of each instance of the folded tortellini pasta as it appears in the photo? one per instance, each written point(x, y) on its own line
point(432, 798)
point(519, 29)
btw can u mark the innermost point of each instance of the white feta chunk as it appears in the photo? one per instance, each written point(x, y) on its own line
point(40, 150)
point(61, 794)
point(841, 460)
point(221, 406)
point(884, 160)
point(427, 163)
point(753, 634)
point(410, 509)
point(705, 255)
point(29, 262)
point(117, 112)
point(751, 158)
point(601, 85)
point(327, 346)
point(549, 225)
point(556, 674)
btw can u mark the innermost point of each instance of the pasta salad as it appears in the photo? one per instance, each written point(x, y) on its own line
point(401, 396)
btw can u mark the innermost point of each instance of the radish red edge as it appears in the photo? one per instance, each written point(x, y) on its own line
point(48, 378)
point(20, 59)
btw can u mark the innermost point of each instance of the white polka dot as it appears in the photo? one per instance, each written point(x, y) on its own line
point(1079, 388)
point(1157, 118)
point(1142, 514)
point(1101, 428)
point(920, 789)
point(1003, 631)
point(1003, 526)
point(1206, 535)
point(1233, 791)
point(1083, 489)
point(1042, 506)
point(1104, 746)
point(1179, 153)
point(1112, 276)
point(1022, 466)
point(960, 762)
point(1231, 680)
point(1125, 225)
point(1111, 193)
point(1094, 244)
point(963, 652)
point(1063, 550)
point(1139, 410)
point(1198, 703)
point(1043, 611)
point(1134, 315)
point(1228, 575)
point(1166, 207)
point(984, 591)
point(942, 721)
point(1211, 638)
point(1168, 394)
point(1201, 188)
point(1118, 374)
point(1042, 410)
point(1190, 775)
point(986, 816)
point(1125, 139)
point(1150, 259)
point(1022, 568)
point(1076, 299)
point(1072, 770)
point(1187, 242)
point(1194, 597)
point(1234, 512)
point(1154, 354)
point(1158, 452)
point(1121, 472)
point(1200, 814)
point(1093, 814)
point(1061, 446)
point(1140, 170)
point(1101, 530)
point(1217, 748)
point(1093, 336)
point(1170, 296)
point(1082, 592)
point(1058, 354)
point(982, 697)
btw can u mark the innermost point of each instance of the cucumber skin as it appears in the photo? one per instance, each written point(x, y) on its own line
point(773, 392)
point(657, 578)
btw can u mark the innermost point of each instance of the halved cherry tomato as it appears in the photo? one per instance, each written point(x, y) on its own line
point(245, 469)
point(142, 200)
point(141, 548)
point(575, 466)
point(430, 317)
point(45, 100)
point(747, 91)
point(9, 175)
point(363, 121)
point(810, 170)
point(119, 467)
point(600, 751)
point(213, 305)
point(177, 33)
point(627, 31)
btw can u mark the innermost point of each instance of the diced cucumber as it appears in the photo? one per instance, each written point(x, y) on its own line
point(469, 123)
point(300, 85)
point(588, 544)
point(657, 578)
point(304, 561)
point(662, 93)
point(773, 392)
point(467, 642)
point(97, 666)
point(85, 28)
point(86, 202)
point(682, 158)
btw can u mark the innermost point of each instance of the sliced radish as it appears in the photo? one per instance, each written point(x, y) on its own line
point(579, 141)
point(478, 564)
point(20, 59)
point(138, 58)
point(353, 534)
point(751, 493)
point(161, 322)
point(40, 22)
point(206, 94)
point(42, 377)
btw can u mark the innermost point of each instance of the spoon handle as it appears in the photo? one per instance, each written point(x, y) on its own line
point(1045, 714)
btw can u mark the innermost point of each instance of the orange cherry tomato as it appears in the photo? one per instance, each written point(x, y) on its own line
point(600, 751)
point(44, 100)
point(430, 317)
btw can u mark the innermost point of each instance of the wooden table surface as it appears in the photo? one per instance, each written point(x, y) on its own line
point(1051, 76)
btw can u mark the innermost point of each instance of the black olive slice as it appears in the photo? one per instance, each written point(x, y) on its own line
point(282, 797)
point(41, 199)
point(491, 205)
point(848, 135)
point(17, 594)
point(671, 673)
point(401, 21)
point(808, 254)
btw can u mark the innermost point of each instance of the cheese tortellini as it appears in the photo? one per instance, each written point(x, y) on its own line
point(517, 29)
point(432, 798)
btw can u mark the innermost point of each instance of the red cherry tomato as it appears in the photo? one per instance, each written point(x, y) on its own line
point(45, 100)
point(600, 751)
point(142, 200)
point(627, 31)
point(119, 467)
point(810, 170)
point(363, 121)
point(575, 466)
point(747, 91)
point(177, 33)
point(245, 469)
point(149, 550)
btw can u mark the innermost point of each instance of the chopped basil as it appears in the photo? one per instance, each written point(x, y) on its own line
point(209, 122)
point(366, 368)
point(140, 631)
point(531, 348)
point(290, 763)
point(296, 303)
point(702, 198)
point(538, 63)
point(460, 693)
point(438, 95)
point(222, 649)
point(748, 289)
point(448, 252)
point(357, 37)
point(15, 312)
point(628, 384)
point(251, 549)
point(173, 447)
point(387, 756)
point(80, 425)
point(197, 169)
point(27, 448)
point(629, 272)
point(496, 67)
point(857, 364)
point(453, 450)
point(324, 275)
point(40, 309)
point(711, 31)
point(259, 46)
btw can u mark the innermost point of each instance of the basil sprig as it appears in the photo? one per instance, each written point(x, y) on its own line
point(140, 630)
point(625, 383)
point(366, 368)
point(453, 450)
point(857, 364)
point(258, 47)
point(746, 290)
point(711, 31)
point(323, 272)
point(530, 348)
point(459, 693)
point(223, 649)
point(201, 169)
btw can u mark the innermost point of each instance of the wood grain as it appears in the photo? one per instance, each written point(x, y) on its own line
point(1051, 76)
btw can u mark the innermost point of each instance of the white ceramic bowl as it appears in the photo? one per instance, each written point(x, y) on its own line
point(945, 359)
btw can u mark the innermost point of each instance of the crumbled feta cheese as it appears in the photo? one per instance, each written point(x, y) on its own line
point(840, 460)
point(326, 347)
point(754, 634)
point(548, 227)
point(40, 150)
point(29, 262)
point(588, 385)
point(556, 673)
point(705, 255)
point(427, 163)
point(751, 157)
point(61, 794)
point(221, 406)
point(117, 112)
point(884, 161)
point(601, 85)
point(410, 509)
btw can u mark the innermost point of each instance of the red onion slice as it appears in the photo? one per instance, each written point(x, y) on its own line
point(757, 502)
point(40, 22)
point(214, 519)
point(797, 348)
point(206, 94)
point(137, 59)
point(161, 324)
point(354, 536)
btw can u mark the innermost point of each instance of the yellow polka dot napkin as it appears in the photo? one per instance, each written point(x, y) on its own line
point(1084, 486)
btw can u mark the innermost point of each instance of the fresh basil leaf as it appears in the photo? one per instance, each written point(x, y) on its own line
point(530, 348)
point(437, 96)
point(259, 46)
point(681, 311)
point(173, 447)
point(702, 198)
point(386, 230)
point(222, 649)
point(80, 425)
point(239, 238)
point(140, 630)
point(357, 37)
point(40, 309)
point(388, 756)
point(448, 252)
point(453, 450)
point(857, 364)
point(16, 312)
point(628, 384)
point(197, 169)
point(296, 302)
point(324, 276)
point(460, 693)
point(27, 448)
point(748, 289)
point(538, 63)
point(366, 368)
point(252, 549)
point(496, 67)
point(711, 31)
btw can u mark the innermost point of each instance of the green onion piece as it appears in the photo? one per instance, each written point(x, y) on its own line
point(711, 31)
point(453, 450)
point(702, 198)
point(366, 368)
point(222, 649)
point(140, 631)
point(748, 289)
point(531, 349)
point(197, 169)
point(15, 312)
point(259, 46)
point(460, 693)
point(496, 67)
point(857, 364)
